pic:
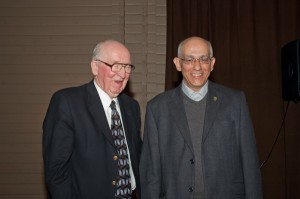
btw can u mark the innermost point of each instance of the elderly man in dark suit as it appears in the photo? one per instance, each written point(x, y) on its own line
point(199, 141)
point(91, 133)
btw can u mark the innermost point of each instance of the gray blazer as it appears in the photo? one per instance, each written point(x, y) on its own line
point(229, 155)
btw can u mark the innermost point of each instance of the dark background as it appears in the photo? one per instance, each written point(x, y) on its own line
point(247, 37)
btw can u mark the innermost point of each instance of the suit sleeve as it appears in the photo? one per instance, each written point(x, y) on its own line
point(150, 168)
point(57, 148)
point(249, 155)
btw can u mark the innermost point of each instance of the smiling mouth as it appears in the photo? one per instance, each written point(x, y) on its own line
point(118, 81)
point(197, 74)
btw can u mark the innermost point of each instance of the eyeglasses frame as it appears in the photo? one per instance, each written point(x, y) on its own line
point(132, 67)
point(193, 60)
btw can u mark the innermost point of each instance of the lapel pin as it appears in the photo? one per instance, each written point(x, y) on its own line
point(215, 98)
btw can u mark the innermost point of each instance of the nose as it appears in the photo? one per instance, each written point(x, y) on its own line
point(197, 65)
point(122, 73)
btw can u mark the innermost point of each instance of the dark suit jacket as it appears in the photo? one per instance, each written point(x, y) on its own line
point(229, 155)
point(78, 148)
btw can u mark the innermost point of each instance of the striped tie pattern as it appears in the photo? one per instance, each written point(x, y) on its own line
point(123, 186)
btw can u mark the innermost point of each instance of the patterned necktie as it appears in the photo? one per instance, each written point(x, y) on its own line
point(123, 186)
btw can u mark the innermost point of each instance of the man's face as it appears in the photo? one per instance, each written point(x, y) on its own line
point(113, 83)
point(195, 74)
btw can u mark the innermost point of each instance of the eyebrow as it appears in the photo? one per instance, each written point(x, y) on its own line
point(191, 56)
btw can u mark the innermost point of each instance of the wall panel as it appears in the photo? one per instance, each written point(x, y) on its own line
point(46, 46)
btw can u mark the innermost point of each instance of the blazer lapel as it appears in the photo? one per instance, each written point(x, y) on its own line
point(214, 98)
point(98, 113)
point(126, 118)
point(178, 115)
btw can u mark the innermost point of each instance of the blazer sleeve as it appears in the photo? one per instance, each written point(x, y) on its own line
point(150, 171)
point(249, 155)
point(57, 148)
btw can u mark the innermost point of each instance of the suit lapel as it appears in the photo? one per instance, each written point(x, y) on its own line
point(214, 98)
point(98, 113)
point(178, 115)
point(126, 118)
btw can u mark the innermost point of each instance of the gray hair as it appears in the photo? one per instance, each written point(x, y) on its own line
point(97, 50)
point(100, 49)
point(179, 52)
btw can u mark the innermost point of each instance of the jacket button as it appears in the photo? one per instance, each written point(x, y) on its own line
point(191, 189)
point(192, 161)
point(115, 157)
point(113, 183)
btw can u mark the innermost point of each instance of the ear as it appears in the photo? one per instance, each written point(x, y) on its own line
point(212, 63)
point(94, 67)
point(176, 61)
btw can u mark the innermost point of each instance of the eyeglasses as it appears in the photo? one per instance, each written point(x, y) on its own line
point(202, 60)
point(116, 67)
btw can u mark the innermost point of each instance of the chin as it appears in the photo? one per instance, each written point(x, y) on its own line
point(116, 93)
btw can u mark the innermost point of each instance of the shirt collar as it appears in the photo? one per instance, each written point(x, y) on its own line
point(104, 97)
point(195, 95)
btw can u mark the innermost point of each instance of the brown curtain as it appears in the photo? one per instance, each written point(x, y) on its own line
point(247, 36)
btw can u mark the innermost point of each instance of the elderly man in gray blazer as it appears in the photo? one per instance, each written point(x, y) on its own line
point(199, 141)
